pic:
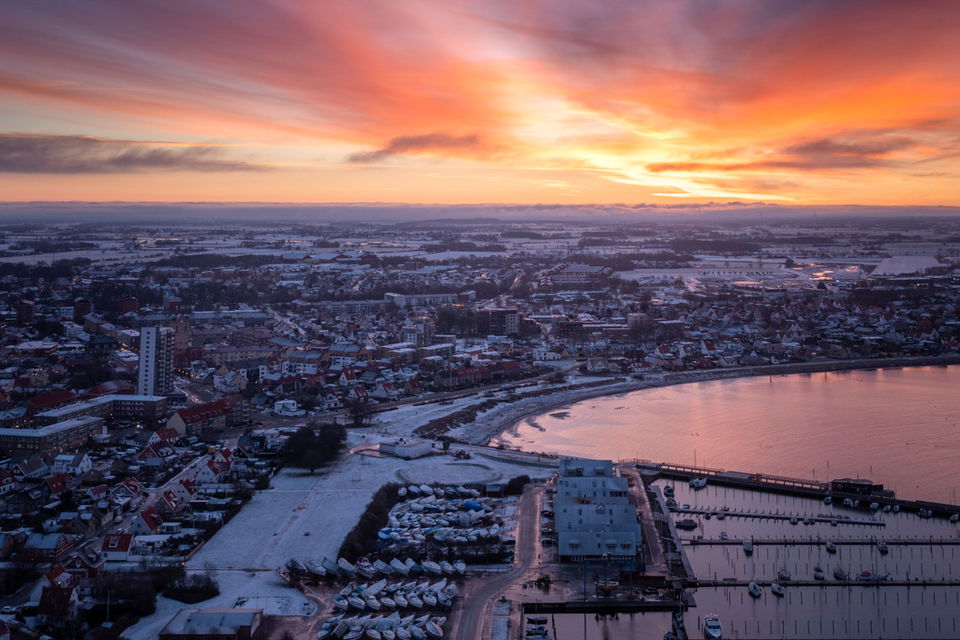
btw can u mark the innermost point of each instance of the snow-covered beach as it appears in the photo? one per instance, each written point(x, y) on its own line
point(488, 425)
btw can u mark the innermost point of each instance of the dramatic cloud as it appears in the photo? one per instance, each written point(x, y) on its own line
point(613, 101)
point(429, 143)
point(835, 147)
point(21, 153)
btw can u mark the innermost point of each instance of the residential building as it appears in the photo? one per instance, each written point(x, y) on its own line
point(61, 436)
point(155, 376)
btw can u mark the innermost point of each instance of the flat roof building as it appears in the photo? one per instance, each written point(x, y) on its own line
point(595, 515)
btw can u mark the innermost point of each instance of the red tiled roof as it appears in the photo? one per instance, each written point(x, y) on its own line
point(51, 399)
point(205, 411)
point(116, 542)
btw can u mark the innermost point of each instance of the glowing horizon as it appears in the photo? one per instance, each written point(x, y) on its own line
point(812, 102)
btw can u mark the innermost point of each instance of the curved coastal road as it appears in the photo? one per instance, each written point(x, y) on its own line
point(474, 608)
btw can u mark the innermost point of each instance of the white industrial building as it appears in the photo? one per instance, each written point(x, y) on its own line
point(595, 514)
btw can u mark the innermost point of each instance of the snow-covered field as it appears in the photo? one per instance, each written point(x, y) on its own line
point(904, 265)
point(304, 516)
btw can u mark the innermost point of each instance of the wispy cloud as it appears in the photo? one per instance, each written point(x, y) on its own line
point(25, 153)
point(428, 143)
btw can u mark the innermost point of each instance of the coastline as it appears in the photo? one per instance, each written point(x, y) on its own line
point(486, 429)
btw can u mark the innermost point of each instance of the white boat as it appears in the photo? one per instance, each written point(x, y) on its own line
point(415, 601)
point(373, 634)
point(339, 602)
point(375, 588)
point(724, 535)
point(712, 629)
point(365, 569)
point(828, 500)
point(831, 547)
point(330, 566)
point(402, 633)
point(402, 492)
point(882, 547)
point(754, 589)
point(446, 567)
point(748, 547)
point(388, 602)
point(372, 602)
point(356, 603)
point(418, 633)
point(460, 566)
point(388, 634)
point(382, 567)
point(698, 483)
point(414, 490)
point(399, 567)
point(355, 633)
point(783, 575)
point(429, 598)
point(955, 517)
point(346, 566)
point(847, 502)
point(426, 490)
point(295, 567)
point(401, 601)
point(818, 573)
point(315, 568)
point(776, 589)
point(433, 630)
point(432, 567)
point(896, 508)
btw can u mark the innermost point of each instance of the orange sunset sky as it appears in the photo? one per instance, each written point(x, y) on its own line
point(796, 102)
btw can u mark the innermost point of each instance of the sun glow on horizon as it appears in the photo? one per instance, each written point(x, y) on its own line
point(816, 102)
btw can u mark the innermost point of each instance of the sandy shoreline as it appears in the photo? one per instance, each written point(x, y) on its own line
point(488, 427)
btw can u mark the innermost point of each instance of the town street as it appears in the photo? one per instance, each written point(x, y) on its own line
point(468, 619)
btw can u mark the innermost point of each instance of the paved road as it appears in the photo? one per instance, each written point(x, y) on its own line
point(453, 395)
point(469, 623)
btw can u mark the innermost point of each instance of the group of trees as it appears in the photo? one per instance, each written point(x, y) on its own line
point(364, 535)
point(516, 484)
point(193, 588)
point(314, 446)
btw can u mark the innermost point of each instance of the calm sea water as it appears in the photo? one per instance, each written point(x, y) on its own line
point(900, 427)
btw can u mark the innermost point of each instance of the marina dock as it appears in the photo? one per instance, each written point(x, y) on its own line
point(778, 516)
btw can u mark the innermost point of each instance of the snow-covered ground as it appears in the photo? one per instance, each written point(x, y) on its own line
point(305, 516)
point(904, 265)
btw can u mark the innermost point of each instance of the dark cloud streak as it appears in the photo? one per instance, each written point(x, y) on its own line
point(26, 153)
point(431, 142)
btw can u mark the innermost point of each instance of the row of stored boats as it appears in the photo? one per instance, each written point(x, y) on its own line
point(441, 519)
point(343, 568)
point(378, 627)
point(398, 595)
